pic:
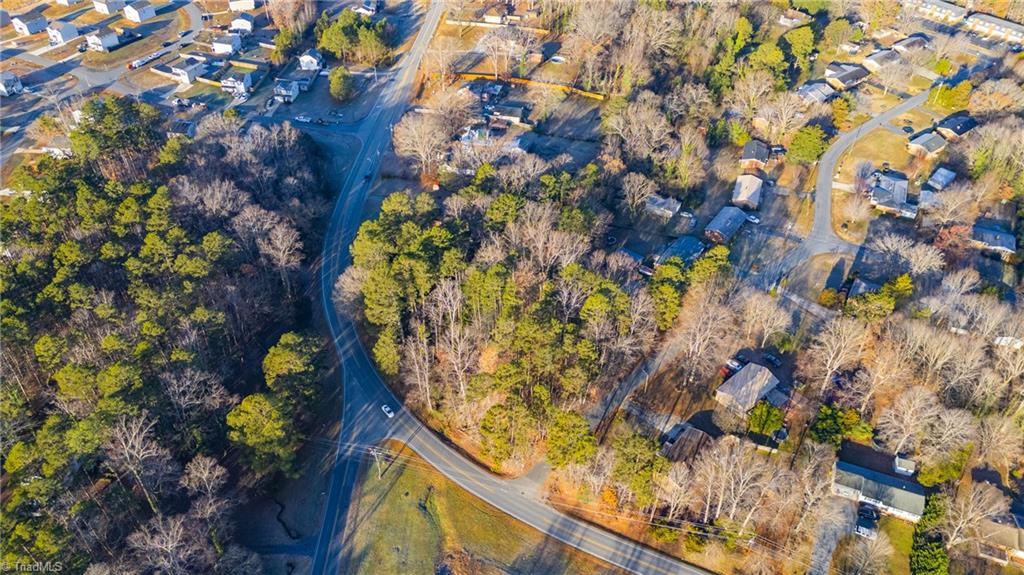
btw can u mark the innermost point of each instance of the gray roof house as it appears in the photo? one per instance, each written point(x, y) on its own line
point(102, 40)
point(755, 155)
point(139, 12)
point(745, 388)
point(725, 224)
point(61, 32)
point(746, 193)
point(939, 10)
point(28, 24)
point(994, 240)
point(941, 178)
point(687, 248)
point(108, 7)
point(10, 84)
point(956, 126)
point(995, 28)
point(662, 207)
point(888, 192)
point(881, 59)
point(926, 144)
point(910, 43)
point(845, 76)
point(892, 495)
point(815, 92)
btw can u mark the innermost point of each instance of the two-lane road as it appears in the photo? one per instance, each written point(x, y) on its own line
point(364, 423)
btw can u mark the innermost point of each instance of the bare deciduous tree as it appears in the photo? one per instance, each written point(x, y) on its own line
point(997, 98)
point(761, 316)
point(867, 556)
point(131, 449)
point(967, 509)
point(837, 346)
point(636, 188)
point(691, 102)
point(642, 127)
point(910, 417)
point(750, 93)
point(422, 138)
point(167, 545)
point(418, 360)
point(283, 250)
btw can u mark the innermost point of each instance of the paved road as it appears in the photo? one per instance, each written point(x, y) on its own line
point(364, 392)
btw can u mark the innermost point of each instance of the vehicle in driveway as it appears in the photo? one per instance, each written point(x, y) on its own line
point(734, 365)
point(303, 119)
point(753, 219)
point(387, 410)
point(773, 359)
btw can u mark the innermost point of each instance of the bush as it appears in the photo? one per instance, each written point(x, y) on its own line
point(664, 534)
point(764, 418)
point(948, 469)
point(927, 553)
point(832, 425)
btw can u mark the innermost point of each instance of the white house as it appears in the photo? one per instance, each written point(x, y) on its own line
point(61, 32)
point(102, 40)
point(227, 44)
point(68, 2)
point(311, 60)
point(139, 12)
point(286, 91)
point(27, 25)
point(880, 59)
point(241, 5)
point(108, 7)
point(662, 207)
point(242, 24)
point(237, 82)
point(186, 70)
point(10, 84)
point(940, 10)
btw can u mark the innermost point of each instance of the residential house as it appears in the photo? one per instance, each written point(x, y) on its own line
point(995, 28)
point(861, 287)
point(509, 112)
point(792, 18)
point(139, 12)
point(845, 76)
point(5, 18)
point(237, 81)
point(226, 44)
point(286, 91)
point(725, 224)
point(242, 24)
point(241, 5)
point(887, 191)
point(940, 10)
point(850, 48)
point(910, 43)
point(955, 127)
point(28, 24)
point(662, 207)
point(686, 248)
point(68, 2)
point(494, 15)
point(61, 32)
point(815, 92)
point(927, 144)
point(108, 7)
point(102, 40)
point(994, 240)
point(185, 70)
point(311, 60)
point(745, 388)
point(755, 155)
point(1002, 539)
point(368, 7)
point(881, 59)
point(10, 84)
point(891, 495)
point(183, 128)
point(746, 193)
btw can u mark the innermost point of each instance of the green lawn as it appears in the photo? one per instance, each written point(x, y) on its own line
point(414, 519)
point(901, 535)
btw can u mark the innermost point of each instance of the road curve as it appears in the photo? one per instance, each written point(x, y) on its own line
point(363, 422)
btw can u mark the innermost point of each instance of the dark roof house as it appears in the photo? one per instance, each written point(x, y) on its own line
point(755, 154)
point(892, 495)
point(956, 126)
point(725, 224)
point(926, 144)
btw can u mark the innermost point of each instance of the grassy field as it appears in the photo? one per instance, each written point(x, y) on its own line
point(155, 31)
point(901, 535)
point(918, 119)
point(879, 145)
point(414, 520)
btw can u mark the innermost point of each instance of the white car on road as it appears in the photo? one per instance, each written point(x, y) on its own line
point(387, 410)
point(303, 119)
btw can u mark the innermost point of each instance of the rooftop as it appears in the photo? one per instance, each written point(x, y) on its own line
point(748, 385)
point(755, 150)
point(959, 124)
point(931, 141)
point(894, 492)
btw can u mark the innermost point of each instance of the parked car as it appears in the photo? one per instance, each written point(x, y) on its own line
point(734, 365)
point(773, 359)
point(387, 410)
point(742, 358)
point(868, 511)
point(303, 119)
point(753, 219)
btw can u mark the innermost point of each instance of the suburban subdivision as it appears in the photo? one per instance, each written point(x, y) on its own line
point(512, 287)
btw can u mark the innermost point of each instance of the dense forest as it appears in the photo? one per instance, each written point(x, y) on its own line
point(144, 280)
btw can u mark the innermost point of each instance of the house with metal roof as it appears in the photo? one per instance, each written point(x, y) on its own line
point(892, 495)
point(815, 92)
point(686, 248)
point(745, 388)
point(725, 224)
